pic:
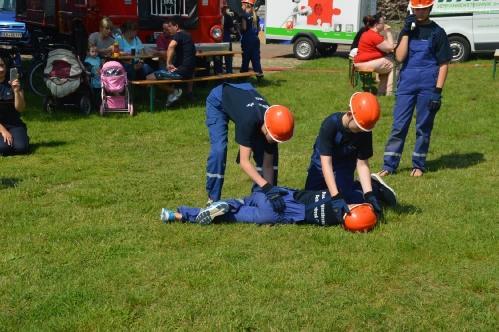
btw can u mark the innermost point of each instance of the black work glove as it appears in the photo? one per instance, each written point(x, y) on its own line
point(274, 195)
point(340, 207)
point(371, 199)
point(435, 100)
point(409, 19)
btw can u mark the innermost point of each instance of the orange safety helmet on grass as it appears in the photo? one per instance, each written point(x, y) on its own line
point(251, 2)
point(360, 219)
point(280, 123)
point(365, 110)
point(421, 3)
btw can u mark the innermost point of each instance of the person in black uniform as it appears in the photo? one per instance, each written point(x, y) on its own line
point(344, 144)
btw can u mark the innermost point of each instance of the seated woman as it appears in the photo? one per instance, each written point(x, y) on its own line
point(128, 42)
point(103, 39)
point(355, 44)
point(372, 53)
point(13, 130)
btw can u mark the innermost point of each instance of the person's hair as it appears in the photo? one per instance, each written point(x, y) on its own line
point(129, 25)
point(176, 20)
point(6, 62)
point(365, 19)
point(253, 13)
point(90, 46)
point(106, 23)
point(373, 20)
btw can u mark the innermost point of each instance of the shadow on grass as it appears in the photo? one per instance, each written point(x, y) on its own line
point(453, 161)
point(9, 183)
point(35, 146)
point(400, 210)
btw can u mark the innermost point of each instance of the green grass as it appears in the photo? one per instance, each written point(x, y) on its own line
point(82, 247)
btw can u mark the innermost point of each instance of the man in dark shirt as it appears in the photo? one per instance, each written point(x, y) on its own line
point(344, 144)
point(258, 128)
point(180, 60)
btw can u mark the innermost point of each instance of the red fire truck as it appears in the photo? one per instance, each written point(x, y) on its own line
point(73, 20)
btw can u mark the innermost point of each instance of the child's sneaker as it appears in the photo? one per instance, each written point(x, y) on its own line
point(385, 193)
point(216, 209)
point(167, 215)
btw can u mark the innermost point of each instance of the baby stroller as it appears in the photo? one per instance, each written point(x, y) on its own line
point(68, 82)
point(114, 89)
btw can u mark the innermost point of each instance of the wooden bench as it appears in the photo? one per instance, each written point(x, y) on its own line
point(153, 83)
point(496, 60)
point(364, 74)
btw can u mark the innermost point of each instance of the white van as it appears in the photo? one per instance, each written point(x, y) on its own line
point(471, 25)
point(315, 24)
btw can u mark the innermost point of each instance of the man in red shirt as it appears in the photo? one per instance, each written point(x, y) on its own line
point(162, 42)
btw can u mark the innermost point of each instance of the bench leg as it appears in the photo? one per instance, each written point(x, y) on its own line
point(151, 98)
point(494, 70)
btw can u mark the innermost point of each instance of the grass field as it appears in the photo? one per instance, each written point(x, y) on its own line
point(82, 247)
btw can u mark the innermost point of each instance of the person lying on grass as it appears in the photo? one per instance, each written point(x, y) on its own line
point(301, 206)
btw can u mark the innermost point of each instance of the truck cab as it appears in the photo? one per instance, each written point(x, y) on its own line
point(74, 20)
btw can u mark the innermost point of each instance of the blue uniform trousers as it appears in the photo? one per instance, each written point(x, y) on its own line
point(255, 209)
point(250, 45)
point(217, 121)
point(417, 80)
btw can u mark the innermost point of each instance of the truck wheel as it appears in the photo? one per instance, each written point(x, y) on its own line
point(327, 49)
point(304, 49)
point(460, 48)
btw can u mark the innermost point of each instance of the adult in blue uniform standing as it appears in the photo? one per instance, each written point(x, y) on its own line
point(425, 54)
point(250, 43)
point(344, 144)
point(258, 127)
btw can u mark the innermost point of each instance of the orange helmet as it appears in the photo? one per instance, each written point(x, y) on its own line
point(421, 3)
point(365, 110)
point(280, 123)
point(360, 219)
point(251, 2)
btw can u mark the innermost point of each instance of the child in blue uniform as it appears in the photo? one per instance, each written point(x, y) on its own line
point(250, 43)
point(258, 127)
point(343, 145)
point(425, 54)
point(312, 207)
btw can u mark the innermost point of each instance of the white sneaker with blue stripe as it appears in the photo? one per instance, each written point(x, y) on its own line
point(207, 215)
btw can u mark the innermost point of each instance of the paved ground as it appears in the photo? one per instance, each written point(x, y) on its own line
point(280, 56)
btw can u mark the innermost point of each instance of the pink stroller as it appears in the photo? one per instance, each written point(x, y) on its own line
point(114, 89)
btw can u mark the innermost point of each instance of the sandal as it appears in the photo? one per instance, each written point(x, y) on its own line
point(416, 172)
point(384, 172)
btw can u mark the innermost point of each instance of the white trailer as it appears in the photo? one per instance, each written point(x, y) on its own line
point(315, 24)
point(471, 25)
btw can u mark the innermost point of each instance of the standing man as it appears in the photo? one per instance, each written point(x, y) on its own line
point(425, 54)
point(258, 128)
point(180, 59)
point(345, 144)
